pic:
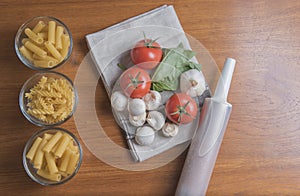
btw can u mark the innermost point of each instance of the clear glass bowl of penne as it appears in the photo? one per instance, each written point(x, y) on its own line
point(52, 156)
point(43, 43)
point(48, 98)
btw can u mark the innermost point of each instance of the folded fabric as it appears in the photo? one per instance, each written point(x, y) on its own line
point(111, 46)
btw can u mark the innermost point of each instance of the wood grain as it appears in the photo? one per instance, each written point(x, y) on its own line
point(260, 153)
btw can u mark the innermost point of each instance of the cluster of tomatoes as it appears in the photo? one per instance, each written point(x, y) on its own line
point(136, 82)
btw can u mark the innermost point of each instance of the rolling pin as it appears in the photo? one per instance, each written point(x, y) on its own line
point(205, 145)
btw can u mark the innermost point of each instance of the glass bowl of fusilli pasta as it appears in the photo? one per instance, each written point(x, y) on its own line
point(48, 99)
point(52, 156)
point(43, 43)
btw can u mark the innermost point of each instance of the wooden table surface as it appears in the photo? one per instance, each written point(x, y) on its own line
point(260, 153)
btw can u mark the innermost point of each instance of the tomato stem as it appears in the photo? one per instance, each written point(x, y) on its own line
point(134, 81)
point(121, 66)
point(181, 110)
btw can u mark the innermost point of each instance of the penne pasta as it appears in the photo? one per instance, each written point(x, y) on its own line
point(51, 163)
point(31, 153)
point(62, 146)
point(46, 43)
point(45, 174)
point(46, 58)
point(64, 174)
point(52, 142)
point(39, 155)
point(53, 50)
point(44, 63)
point(51, 31)
point(65, 160)
point(72, 163)
point(38, 27)
point(26, 53)
point(55, 147)
point(58, 34)
point(72, 147)
point(25, 40)
point(35, 49)
point(47, 136)
point(65, 39)
point(43, 35)
point(34, 37)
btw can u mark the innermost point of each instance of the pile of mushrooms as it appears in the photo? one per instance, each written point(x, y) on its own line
point(144, 116)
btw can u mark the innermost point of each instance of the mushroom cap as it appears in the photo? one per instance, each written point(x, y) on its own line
point(152, 100)
point(118, 101)
point(138, 120)
point(156, 120)
point(136, 107)
point(170, 129)
point(144, 135)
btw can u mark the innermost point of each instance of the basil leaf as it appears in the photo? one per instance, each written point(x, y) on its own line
point(175, 62)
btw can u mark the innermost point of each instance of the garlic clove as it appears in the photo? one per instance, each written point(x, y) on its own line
point(192, 82)
point(156, 120)
point(144, 135)
point(138, 120)
point(170, 129)
point(136, 107)
point(152, 100)
point(118, 101)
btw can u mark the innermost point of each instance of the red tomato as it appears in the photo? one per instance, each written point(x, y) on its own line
point(135, 82)
point(181, 108)
point(146, 54)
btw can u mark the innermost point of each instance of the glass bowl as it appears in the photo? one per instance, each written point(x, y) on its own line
point(54, 111)
point(29, 167)
point(20, 41)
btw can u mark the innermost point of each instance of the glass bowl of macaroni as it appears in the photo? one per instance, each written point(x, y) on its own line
point(52, 156)
point(43, 43)
point(48, 98)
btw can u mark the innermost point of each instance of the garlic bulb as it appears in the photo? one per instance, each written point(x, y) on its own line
point(156, 120)
point(118, 101)
point(170, 129)
point(192, 82)
point(144, 135)
point(152, 100)
point(136, 107)
point(137, 120)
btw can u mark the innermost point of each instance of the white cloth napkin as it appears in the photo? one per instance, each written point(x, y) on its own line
point(111, 46)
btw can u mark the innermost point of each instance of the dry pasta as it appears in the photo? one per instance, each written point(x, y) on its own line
point(62, 146)
point(52, 142)
point(34, 37)
point(33, 149)
point(51, 100)
point(46, 44)
point(39, 155)
point(54, 168)
point(39, 27)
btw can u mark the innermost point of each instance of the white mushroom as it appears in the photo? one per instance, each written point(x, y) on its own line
point(118, 101)
point(144, 135)
point(152, 100)
point(156, 120)
point(136, 107)
point(170, 129)
point(137, 120)
point(192, 82)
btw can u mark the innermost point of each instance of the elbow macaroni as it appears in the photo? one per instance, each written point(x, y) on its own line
point(46, 45)
point(54, 168)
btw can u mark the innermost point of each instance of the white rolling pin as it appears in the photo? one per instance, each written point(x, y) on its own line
point(205, 145)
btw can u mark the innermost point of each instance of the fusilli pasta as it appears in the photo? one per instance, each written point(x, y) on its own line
point(50, 100)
